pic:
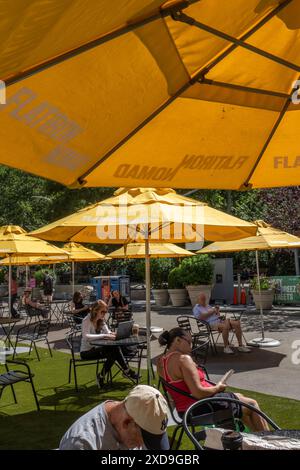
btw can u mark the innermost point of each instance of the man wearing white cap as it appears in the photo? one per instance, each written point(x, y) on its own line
point(137, 422)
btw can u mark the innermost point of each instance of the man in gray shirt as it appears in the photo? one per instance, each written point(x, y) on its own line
point(137, 422)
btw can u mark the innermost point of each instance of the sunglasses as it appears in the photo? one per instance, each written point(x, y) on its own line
point(189, 341)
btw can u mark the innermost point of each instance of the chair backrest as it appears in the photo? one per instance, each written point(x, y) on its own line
point(185, 323)
point(43, 328)
point(200, 349)
point(73, 340)
point(222, 418)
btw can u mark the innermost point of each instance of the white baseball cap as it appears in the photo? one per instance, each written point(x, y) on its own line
point(149, 409)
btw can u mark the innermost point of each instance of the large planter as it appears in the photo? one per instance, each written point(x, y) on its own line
point(266, 296)
point(178, 297)
point(161, 296)
point(195, 291)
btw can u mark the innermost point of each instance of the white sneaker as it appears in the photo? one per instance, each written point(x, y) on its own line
point(244, 349)
point(228, 350)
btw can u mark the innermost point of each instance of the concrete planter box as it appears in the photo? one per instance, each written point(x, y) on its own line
point(161, 296)
point(195, 291)
point(267, 297)
point(178, 297)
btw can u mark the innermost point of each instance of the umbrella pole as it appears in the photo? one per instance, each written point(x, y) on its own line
point(260, 304)
point(9, 286)
point(264, 342)
point(148, 308)
point(26, 275)
point(73, 277)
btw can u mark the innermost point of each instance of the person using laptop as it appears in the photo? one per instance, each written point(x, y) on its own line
point(94, 326)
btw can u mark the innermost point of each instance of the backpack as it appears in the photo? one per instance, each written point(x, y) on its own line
point(48, 283)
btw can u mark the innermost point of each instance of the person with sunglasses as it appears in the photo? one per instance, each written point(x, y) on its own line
point(94, 324)
point(177, 367)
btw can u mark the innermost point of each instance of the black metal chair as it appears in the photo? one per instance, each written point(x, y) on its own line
point(194, 418)
point(37, 313)
point(34, 333)
point(13, 376)
point(73, 339)
point(197, 329)
point(177, 418)
point(117, 317)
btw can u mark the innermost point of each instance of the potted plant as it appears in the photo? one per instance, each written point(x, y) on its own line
point(266, 296)
point(197, 276)
point(159, 276)
point(176, 289)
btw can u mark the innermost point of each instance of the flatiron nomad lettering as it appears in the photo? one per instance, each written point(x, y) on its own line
point(190, 162)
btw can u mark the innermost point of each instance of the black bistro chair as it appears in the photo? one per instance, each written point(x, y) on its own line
point(198, 329)
point(35, 333)
point(73, 339)
point(13, 376)
point(176, 419)
point(195, 418)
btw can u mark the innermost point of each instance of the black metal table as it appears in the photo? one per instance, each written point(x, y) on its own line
point(131, 341)
point(56, 309)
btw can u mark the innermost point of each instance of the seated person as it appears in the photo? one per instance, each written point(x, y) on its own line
point(78, 309)
point(118, 301)
point(203, 311)
point(93, 327)
point(40, 308)
point(137, 422)
point(177, 367)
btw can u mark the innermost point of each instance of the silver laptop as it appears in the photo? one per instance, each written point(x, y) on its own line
point(124, 329)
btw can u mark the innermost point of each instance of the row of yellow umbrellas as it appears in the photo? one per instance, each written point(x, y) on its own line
point(146, 215)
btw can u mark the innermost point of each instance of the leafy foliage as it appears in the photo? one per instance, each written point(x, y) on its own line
point(264, 284)
point(160, 268)
point(197, 270)
point(175, 280)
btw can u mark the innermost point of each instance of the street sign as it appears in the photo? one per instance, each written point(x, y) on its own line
point(287, 289)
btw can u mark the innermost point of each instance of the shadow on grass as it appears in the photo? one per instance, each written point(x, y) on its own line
point(39, 430)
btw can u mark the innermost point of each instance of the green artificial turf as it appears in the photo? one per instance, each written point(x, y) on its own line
point(22, 427)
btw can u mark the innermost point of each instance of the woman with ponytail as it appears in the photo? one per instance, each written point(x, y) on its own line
point(177, 368)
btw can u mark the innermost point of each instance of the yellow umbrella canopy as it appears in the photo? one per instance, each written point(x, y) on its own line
point(78, 252)
point(33, 260)
point(156, 250)
point(148, 215)
point(159, 214)
point(268, 238)
point(14, 240)
point(188, 96)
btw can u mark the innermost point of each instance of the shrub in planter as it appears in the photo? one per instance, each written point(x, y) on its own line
point(266, 296)
point(177, 291)
point(197, 275)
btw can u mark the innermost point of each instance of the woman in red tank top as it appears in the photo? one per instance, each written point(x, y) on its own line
point(177, 367)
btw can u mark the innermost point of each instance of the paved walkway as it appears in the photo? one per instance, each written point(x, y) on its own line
point(266, 370)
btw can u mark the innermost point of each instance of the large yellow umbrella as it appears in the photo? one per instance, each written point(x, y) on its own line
point(268, 238)
point(152, 92)
point(14, 240)
point(156, 250)
point(160, 212)
point(146, 215)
